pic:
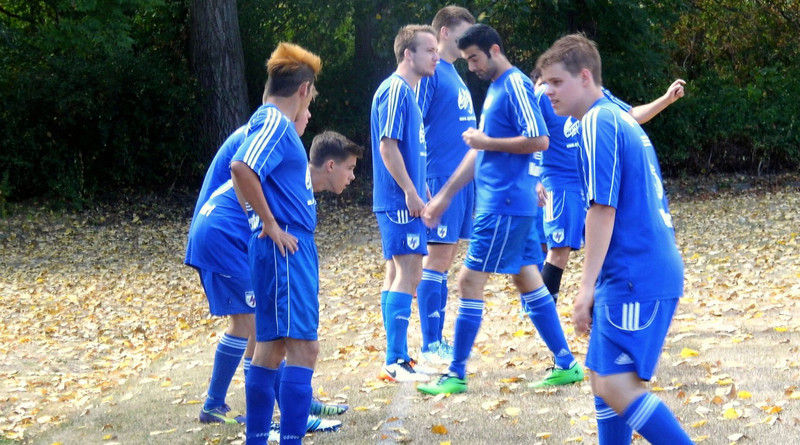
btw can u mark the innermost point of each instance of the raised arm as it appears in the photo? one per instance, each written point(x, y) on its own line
point(644, 113)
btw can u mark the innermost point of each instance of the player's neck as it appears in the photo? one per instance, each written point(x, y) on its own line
point(445, 55)
point(287, 105)
point(592, 95)
point(503, 65)
point(405, 71)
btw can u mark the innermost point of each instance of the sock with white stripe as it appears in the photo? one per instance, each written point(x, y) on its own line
point(468, 322)
point(229, 353)
point(655, 422)
point(542, 311)
point(611, 428)
point(295, 400)
point(428, 295)
point(442, 306)
point(246, 365)
point(398, 312)
point(260, 400)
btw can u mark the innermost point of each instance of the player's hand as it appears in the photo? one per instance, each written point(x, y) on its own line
point(582, 312)
point(475, 138)
point(415, 204)
point(541, 192)
point(675, 91)
point(284, 241)
point(432, 213)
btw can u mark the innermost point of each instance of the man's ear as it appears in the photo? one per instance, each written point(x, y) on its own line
point(304, 89)
point(329, 165)
point(586, 77)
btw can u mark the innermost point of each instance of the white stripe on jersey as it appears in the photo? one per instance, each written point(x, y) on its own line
point(227, 185)
point(589, 124)
point(391, 107)
point(263, 138)
point(526, 110)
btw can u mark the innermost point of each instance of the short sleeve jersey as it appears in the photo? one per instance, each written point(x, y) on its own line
point(505, 182)
point(219, 171)
point(620, 169)
point(560, 160)
point(219, 235)
point(273, 150)
point(447, 112)
point(396, 115)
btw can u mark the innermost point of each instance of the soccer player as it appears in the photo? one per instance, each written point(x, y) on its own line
point(217, 248)
point(447, 112)
point(632, 273)
point(399, 192)
point(561, 189)
point(503, 238)
point(275, 185)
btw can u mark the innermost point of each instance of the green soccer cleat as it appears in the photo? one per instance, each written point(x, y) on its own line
point(559, 377)
point(447, 384)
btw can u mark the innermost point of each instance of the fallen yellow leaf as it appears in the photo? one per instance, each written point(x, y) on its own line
point(730, 413)
point(744, 395)
point(699, 423)
point(439, 429)
point(687, 352)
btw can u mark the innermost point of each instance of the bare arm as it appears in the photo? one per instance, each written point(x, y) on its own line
point(599, 226)
point(517, 144)
point(644, 113)
point(393, 160)
point(249, 191)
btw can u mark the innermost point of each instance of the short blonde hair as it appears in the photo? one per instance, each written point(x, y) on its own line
point(288, 67)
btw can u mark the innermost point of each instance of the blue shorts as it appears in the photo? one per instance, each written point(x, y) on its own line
point(503, 244)
point(401, 234)
point(286, 288)
point(564, 216)
point(456, 221)
point(628, 337)
point(227, 295)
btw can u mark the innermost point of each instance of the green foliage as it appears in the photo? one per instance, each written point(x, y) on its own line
point(97, 96)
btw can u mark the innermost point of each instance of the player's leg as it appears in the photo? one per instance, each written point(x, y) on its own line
point(541, 309)
point(563, 227)
point(226, 297)
point(429, 297)
point(625, 343)
point(296, 391)
point(260, 389)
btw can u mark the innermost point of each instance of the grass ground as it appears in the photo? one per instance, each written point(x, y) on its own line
point(105, 339)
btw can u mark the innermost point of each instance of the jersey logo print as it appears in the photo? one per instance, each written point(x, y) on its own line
point(441, 231)
point(571, 127)
point(558, 235)
point(412, 239)
point(623, 359)
point(465, 100)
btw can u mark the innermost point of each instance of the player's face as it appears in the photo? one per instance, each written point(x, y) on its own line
point(424, 58)
point(563, 89)
point(479, 63)
point(342, 174)
point(301, 121)
point(453, 35)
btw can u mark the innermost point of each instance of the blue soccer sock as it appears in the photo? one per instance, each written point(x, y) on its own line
point(542, 311)
point(384, 295)
point(611, 428)
point(248, 361)
point(398, 312)
point(260, 399)
point(655, 422)
point(428, 296)
point(295, 396)
point(442, 306)
point(468, 322)
point(229, 353)
point(278, 378)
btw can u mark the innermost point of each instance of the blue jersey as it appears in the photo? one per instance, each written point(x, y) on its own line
point(447, 112)
point(220, 169)
point(620, 169)
point(560, 161)
point(219, 235)
point(505, 182)
point(396, 115)
point(273, 150)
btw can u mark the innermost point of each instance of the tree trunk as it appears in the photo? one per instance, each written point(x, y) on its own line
point(217, 60)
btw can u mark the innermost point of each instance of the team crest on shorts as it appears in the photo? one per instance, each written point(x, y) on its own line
point(558, 235)
point(412, 239)
point(250, 298)
point(441, 231)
